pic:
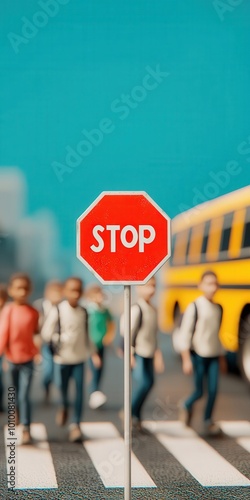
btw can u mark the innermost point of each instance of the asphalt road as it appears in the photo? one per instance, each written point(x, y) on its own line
point(74, 469)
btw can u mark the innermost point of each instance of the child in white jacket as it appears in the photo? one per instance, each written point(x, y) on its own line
point(146, 357)
point(67, 325)
point(202, 351)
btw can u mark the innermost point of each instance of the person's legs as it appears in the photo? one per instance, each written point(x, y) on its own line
point(25, 378)
point(57, 376)
point(97, 398)
point(62, 376)
point(199, 371)
point(14, 373)
point(96, 372)
point(75, 434)
point(77, 374)
point(1, 384)
point(47, 367)
point(63, 381)
point(144, 376)
point(212, 386)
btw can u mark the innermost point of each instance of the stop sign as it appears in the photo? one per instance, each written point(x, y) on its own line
point(123, 237)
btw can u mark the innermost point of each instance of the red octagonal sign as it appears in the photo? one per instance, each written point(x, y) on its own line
point(123, 237)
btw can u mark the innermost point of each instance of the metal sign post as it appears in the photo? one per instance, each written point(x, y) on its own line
point(124, 237)
point(127, 392)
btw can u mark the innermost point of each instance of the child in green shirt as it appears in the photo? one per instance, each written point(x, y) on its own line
point(101, 332)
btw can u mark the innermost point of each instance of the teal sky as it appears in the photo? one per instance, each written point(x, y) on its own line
point(66, 77)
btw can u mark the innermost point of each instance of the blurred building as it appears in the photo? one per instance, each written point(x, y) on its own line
point(8, 255)
point(27, 243)
point(13, 195)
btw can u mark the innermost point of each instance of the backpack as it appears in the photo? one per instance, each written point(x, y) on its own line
point(55, 344)
point(176, 333)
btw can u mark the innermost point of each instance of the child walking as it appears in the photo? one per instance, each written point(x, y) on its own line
point(52, 296)
point(202, 352)
point(68, 325)
point(3, 300)
point(146, 357)
point(19, 323)
point(102, 331)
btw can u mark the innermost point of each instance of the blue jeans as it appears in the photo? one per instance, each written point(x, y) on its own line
point(63, 375)
point(209, 368)
point(47, 366)
point(96, 372)
point(143, 381)
point(22, 374)
point(1, 384)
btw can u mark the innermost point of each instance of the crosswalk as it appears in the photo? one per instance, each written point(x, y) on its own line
point(106, 450)
point(35, 467)
point(207, 466)
point(239, 430)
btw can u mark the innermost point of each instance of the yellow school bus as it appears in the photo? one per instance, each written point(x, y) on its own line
point(216, 236)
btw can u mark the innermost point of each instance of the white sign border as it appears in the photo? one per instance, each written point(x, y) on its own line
point(93, 204)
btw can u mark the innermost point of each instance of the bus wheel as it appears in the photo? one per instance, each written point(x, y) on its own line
point(244, 349)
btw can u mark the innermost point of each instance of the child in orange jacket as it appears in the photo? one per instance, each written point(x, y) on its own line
point(19, 323)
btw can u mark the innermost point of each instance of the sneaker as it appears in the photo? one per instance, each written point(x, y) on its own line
point(26, 437)
point(211, 429)
point(75, 435)
point(97, 399)
point(136, 424)
point(185, 415)
point(61, 417)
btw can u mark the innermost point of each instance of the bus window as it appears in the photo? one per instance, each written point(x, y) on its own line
point(188, 243)
point(180, 248)
point(194, 253)
point(214, 239)
point(205, 241)
point(237, 234)
point(246, 234)
point(226, 232)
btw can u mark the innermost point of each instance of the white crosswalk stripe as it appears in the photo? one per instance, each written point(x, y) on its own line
point(205, 464)
point(33, 464)
point(34, 468)
point(106, 450)
point(240, 430)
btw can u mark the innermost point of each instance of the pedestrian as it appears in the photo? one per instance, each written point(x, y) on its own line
point(146, 357)
point(18, 325)
point(3, 300)
point(52, 296)
point(66, 327)
point(202, 352)
point(102, 332)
